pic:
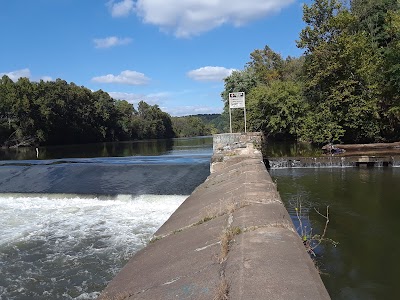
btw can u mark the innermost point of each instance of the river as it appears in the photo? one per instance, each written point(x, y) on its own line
point(72, 216)
point(364, 206)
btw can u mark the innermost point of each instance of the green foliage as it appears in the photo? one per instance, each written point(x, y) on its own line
point(276, 109)
point(153, 122)
point(197, 125)
point(238, 81)
point(190, 126)
point(267, 65)
point(343, 72)
point(214, 121)
point(345, 88)
point(273, 90)
point(56, 112)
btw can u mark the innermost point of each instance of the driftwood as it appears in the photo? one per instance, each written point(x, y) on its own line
point(376, 147)
point(13, 142)
point(27, 142)
point(332, 149)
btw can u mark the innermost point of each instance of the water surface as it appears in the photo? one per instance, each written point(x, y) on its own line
point(69, 246)
point(364, 205)
point(73, 216)
point(180, 146)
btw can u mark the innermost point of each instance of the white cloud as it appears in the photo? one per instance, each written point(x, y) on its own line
point(111, 42)
point(161, 98)
point(125, 77)
point(188, 18)
point(15, 75)
point(191, 110)
point(122, 8)
point(210, 73)
point(130, 97)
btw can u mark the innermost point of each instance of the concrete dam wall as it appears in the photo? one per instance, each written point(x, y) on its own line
point(231, 239)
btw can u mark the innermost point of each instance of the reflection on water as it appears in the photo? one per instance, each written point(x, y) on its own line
point(364, 208)
point(114, 149)
point(167, 167)
point(290, 149)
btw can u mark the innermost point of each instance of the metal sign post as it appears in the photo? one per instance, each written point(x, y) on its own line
point(230, 119)
point(237, 100)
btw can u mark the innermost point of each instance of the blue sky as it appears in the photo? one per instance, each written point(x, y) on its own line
point(174, 53)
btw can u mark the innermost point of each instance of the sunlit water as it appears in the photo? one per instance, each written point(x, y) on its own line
point(68, 225)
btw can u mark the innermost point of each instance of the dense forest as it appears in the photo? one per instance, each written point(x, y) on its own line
point(55, 112)
point(197, 125)
point(346, 86)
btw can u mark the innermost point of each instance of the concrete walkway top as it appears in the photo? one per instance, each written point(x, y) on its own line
point(231, 239)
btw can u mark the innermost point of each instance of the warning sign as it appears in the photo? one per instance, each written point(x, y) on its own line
point(236, 100)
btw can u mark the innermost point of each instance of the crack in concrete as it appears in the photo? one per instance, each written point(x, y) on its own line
point(230, 208)
point(127, 295)
point(208, 246)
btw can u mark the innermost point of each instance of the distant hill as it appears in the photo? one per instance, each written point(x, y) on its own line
point(215, 120)
point(197, 125)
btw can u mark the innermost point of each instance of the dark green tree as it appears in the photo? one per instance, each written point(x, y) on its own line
point(56, 112)
point(154, 123)
point(277, 109)
point(338, 69)
point(238, 81)
point(126, 113)
point(267, 65)
point(380, 22)
point(190, 126)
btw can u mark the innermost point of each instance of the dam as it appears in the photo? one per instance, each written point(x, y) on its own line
point(232, 238)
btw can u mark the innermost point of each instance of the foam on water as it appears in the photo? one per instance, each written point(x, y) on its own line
point(70, 247)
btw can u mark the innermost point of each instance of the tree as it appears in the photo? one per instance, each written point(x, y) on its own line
point(372, 18)
point(379, 20)
point(126, 129)
point(267, 65)
point(154, 123)
point(277, 109)
point(190, 126)
point(7, 99)
point(238, 81)
point(338, 69)
point(56, 112)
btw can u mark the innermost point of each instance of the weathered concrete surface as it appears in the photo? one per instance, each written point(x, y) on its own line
point(231, 239)
point(228, 141)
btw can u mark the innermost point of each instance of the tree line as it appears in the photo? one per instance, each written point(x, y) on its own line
point(344, 88)
point(55, 112)
point(197, 125)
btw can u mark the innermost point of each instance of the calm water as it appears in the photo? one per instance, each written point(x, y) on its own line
point(180, 146)
point(71, 218)
point(289, 149)
point(364, 219)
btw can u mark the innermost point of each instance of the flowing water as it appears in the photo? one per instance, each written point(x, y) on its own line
point(72, 217)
